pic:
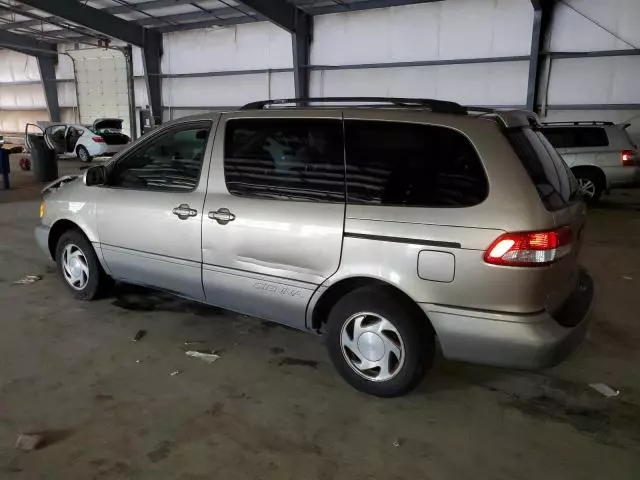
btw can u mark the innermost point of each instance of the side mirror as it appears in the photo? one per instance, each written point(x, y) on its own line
point(95, 176)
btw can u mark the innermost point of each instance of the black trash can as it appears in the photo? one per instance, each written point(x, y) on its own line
point(44, 161)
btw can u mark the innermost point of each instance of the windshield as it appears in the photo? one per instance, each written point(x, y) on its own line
point(553, 179)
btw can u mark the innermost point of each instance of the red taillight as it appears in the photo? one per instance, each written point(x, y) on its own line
point(529, 249)
point(627, 158)
point(98, 139)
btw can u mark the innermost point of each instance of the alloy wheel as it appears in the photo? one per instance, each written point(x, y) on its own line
point(587, 187)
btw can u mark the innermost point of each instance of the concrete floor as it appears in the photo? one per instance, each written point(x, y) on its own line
point(273, 408)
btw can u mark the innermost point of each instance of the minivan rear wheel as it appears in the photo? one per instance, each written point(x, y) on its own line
point(377, 343)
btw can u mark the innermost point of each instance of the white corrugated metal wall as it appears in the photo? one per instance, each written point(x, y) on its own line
point(226, 67)
point(451, 30)
point(21, 93)
point(603, 81)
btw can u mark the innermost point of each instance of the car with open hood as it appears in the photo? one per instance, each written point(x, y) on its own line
point(102, 138)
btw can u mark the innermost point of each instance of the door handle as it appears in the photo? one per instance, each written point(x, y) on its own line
point(184, 211)
point(222, 216)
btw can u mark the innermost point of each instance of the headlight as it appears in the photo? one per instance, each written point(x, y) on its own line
point(42, 208)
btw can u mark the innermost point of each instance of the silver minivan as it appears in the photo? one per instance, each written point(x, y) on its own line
point(392, 226)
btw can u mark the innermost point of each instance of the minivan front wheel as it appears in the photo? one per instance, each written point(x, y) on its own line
point(378, 344)
point(78, 266)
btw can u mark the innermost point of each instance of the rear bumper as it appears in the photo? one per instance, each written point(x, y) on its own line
point(510, 340)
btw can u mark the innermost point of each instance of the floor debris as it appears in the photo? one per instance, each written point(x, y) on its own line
point(140, 334)
point(176, 373)
point(209, 357)
point(28, 280)
point(627, 277)
point(605, 389)
point(29, 441)
point(396, 443)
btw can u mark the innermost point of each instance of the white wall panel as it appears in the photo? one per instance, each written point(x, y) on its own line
point(140, 92)
point(473, 84)
point(570, 31)
point(22, 96)
point(432, 31)
point(251, 46)
point(15, 121)
point(231, 90)
point(67, 94)
point(594, 81)
point(16, 67)
point(136, 59)
point(281, 86)
point(64, 69)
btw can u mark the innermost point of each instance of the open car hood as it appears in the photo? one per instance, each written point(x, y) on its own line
point(113, 123)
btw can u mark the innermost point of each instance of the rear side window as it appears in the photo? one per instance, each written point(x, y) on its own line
point(414, 165)
point(576, 137)
point(293, 159)
point(554, 181)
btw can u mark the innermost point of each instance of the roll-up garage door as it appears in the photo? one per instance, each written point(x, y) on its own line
point(103, 90)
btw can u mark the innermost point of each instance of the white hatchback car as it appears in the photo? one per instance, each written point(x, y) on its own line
point(103, 138)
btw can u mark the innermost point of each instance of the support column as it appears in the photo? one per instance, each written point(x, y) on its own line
point(47, 67)
point(151, 55)
point(542, 13)
point(301, 38)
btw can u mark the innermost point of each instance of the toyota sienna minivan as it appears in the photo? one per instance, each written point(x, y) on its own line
point(389, 225)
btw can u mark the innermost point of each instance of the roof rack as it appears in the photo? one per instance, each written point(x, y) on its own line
point(436, 106)
point(578, 123)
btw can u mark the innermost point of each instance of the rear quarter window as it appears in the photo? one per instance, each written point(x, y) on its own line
point(552, 178)
point(413, 165)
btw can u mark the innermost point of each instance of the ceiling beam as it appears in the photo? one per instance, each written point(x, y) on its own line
point(27, 45)
point(151, 5)
point(280, 12)
point(94, 19)
point(306, 6)
point(217, 14)
point(224, 16)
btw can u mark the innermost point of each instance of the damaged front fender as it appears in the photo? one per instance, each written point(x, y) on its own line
point(56, 184)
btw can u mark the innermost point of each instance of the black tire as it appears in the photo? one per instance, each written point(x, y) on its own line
point(587, 177)
point(83, 154)
point(414, 331)
point(96, 281)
